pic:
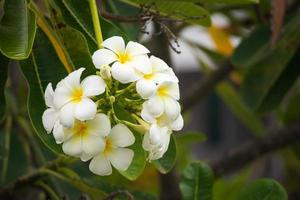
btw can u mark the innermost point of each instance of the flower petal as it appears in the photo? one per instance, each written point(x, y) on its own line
point(85, 110)
point(145, 88)
point(50, 116)
point(121, 136)
point(73, 79)
point(158, 64)
point(147, 116)
point(92, 145)
point(135, 48)
point(172, 108)
point(123, 73)
point(67, 115)
point(93, 85)
point(62, 95)
point(172, 89)
point(103, 57)
point(73, 146)
point(115, 43)
point(100, 125)
point(85, 157)
point(141, 63)
point(177, 125)
point(58, 133)
point(156, 134)
point(154, 106)
point(100, 165)
point(121, 158)
point(49, 93)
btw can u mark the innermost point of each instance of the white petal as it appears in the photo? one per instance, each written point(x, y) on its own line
point(154, 106)
point(121, 158)
point(62, 95)
point(147, 116)
point(67, 115)
point(146, 142)
point(73, 79)
point(100, 165)
point(58, 133)
point(85, 110)
point(172, 89)
point(115, 43)
point(73, 146)
point(91, 145)
point(85, 157)
point(172, 108)
point(100, 125)
point(49, 95)
point(141, 63)
point(145, 88)
point(163, 77)
point(93, 85)
point(103, 57)
point(135, 48)
point(121, 136)
point(123, 73)
point(50, 116)
point(158, 64)
point(156, 134)
point(177, 125)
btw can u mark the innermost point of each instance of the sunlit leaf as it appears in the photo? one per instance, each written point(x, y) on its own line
point(17, 29)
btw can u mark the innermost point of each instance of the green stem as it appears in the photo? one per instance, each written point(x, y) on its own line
point(96, 22)
point(7, 133)
point(46, 188)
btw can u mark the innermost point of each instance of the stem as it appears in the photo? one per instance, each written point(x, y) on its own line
point(96, 22)
point(7, 133)
point(46, 188)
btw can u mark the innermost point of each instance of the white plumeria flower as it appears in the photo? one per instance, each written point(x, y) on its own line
point(156, 141)
point(114, 152)
point(160, 72)
point(72, 97)
point(164, 101)
point(86, 139)
point(50, 117)
point(128, 62)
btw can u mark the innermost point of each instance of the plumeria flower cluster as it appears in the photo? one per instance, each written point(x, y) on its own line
point(82, 114)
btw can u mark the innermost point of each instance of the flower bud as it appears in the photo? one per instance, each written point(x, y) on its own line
point(105, 72)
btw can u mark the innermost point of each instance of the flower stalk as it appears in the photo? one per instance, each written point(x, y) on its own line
point(96, 22)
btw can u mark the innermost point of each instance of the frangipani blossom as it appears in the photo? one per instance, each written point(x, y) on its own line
point(128, 62)
point(86, 139)
point(156, 141)
point(72, 97)
point(160, 72)
point(50, 117)
point(164, 101)
point(115, 152)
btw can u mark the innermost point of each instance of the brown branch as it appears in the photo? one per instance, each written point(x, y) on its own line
point(205, 86)
point(238, 157)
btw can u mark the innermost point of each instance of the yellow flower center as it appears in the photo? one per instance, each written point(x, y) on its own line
point(77, 94)
point(80, 128)
point(148, 76)
point(162, 91)
point(108, 146)
point(124, 57)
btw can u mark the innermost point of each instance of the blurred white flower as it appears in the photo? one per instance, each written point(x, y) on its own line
point(86, 139)
point(156, 141)
point(164, 101)
point(72, 97)
point(128, 62)
point(114, 152)
point(160, 72)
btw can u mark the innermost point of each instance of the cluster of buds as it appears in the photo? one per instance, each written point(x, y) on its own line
point(82, 115)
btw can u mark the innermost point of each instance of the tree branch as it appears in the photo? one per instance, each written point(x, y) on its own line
point(238, 157)
point(205, 86)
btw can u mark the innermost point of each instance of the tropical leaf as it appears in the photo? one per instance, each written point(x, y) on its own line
point(17, 29)
point(41, 68)
point(196, 182)
point(167, 162)
point(266, 189)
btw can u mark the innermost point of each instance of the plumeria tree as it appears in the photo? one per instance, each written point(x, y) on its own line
point(103, 118)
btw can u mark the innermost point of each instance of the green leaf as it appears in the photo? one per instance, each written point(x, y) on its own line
point(185, 138)
point(237, 106)
point(41, 68)
point(3, 77)
point(17, 30)
point(291, 112)
point(187, 11)
point(167, 162)
point(77, 48)
point(219, 1)
point(138, 164)
point(270, 77)
point(196, 182)
point(266, 189)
